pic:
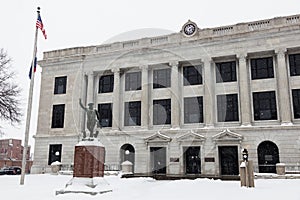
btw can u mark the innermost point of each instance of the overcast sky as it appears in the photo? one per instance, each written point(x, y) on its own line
point(72, 23)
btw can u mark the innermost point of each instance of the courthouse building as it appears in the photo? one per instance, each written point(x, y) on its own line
point(182, 104)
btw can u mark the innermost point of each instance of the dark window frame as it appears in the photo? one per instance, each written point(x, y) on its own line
point(162, 78)
point(190, 108)
point(132, 112)
point(133, 81)
point(262, 68)
point(264, 103)
point(105, 113)
point(192, 75)
point(58, 116)
point(157, 115)
point(106, 84)
point(226, 72)
point(294, 62)
point(60, 85)
point(296, 103)
point(228, 108)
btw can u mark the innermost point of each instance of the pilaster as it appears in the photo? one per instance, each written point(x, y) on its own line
point(283, 87)
point(244, 87)
point(175, 96)
point(209, 93)
point(116, 100)
point(90, 87)
point(145, 97)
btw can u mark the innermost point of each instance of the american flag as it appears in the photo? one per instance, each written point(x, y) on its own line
point(40, 25)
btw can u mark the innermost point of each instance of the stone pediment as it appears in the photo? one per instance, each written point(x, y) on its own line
point(227, 136)
point(157, 137)
point(191, 136)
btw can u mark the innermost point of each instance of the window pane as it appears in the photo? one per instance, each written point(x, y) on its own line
point(60, 85)
point(264, 104)
point(262, 68)
point(162, 111)
point(226, 72)
point(105, 113)
point(192, 75)
point(132, 113)
point(58, 114)
point(133, 81)
point(193, 110)
point(106, 84)
point(294, 61)
point(227, 106)
point(296, 103)
point(162, 78)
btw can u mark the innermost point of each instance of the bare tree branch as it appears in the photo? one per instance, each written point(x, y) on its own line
point(9, 92)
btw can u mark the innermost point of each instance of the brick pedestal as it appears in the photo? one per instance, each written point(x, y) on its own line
point(88, 173)
point(89, 159)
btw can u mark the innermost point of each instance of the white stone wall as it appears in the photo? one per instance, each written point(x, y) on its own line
point(83, 67)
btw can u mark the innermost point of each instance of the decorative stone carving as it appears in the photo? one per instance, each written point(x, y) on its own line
point(227, 136)
point(191, 136)
point(157, 137)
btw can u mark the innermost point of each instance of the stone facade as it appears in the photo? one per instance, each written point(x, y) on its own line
point(83, 66)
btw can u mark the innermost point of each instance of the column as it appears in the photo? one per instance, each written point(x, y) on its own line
point(90, 87)
point(175, 96)
point(283, 88)
point(145, 97)
point(209, 93)
point(244, 83)
point(116, 100)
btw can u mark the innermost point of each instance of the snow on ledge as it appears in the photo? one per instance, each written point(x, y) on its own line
point(90, 142)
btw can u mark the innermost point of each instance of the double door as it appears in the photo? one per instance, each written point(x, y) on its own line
point(158, 160)
point(192, 160)
point(229, 164)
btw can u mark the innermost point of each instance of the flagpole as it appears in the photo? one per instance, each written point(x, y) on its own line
point(29, 106)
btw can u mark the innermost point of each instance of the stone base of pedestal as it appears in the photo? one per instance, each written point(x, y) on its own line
point(93, 186)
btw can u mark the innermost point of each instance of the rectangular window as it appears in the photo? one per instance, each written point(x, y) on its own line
point(58, 115)
point(262, 68)
point(296, 103)
point(162, 111)
point(226, 72)
point(60, 85)
point(227, 106)
point(133, 81)
point(294, 61)
point(162, 78)
point(132, 113)
point(193, 110)
point(264, 104)
point(105, 113)
point(54, 153)
point(192, 75)
point(106, 84)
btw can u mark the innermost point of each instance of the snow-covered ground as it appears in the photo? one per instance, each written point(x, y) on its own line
point(43, 187)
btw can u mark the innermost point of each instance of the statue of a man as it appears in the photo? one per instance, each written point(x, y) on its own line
point(92, 118)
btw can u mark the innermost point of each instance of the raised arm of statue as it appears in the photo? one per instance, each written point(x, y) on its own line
point(80, 103)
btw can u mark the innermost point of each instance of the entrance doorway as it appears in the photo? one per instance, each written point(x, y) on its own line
point(158, 160)
point(127, 152)
point(229, 163)
point(192, 160)
point(268, 156)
